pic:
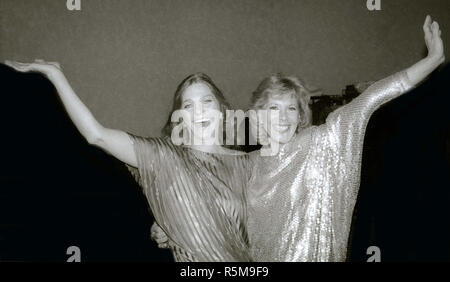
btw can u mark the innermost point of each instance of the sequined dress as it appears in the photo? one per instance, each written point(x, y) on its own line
point(197, 198)
point(300, 201)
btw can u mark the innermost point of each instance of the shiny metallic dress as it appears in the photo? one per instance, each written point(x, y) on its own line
point(197, 198)
point(300, 202)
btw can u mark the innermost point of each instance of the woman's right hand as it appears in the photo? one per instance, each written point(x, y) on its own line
point(159, 236)
point(46, 68)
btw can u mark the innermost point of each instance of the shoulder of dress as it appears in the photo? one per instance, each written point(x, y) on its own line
point(308, 133)
point(163, 144)
point(166, 141)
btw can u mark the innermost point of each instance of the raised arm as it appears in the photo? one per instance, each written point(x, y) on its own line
point(345, 127)
point(342, 136)
point(357, 113)
point(114, 142)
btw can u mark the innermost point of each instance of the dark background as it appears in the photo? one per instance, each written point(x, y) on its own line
point(403, 203)
point(58, 191)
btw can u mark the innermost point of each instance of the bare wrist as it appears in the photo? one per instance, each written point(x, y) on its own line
point(54, 75)
point(436, 59)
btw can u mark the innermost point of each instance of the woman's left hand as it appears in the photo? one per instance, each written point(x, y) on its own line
point(433, 40)
point(159, 236)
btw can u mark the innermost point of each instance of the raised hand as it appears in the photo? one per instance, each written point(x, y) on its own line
point(433, 39)
point(47, 68)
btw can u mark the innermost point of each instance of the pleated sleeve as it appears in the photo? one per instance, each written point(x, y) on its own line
point(343, 138)
point(345, 127)
point(149, 152)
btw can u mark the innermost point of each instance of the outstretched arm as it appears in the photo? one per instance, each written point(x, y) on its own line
point(115, 142)
point(345, 127)
point(342, 136)
point(357, 113)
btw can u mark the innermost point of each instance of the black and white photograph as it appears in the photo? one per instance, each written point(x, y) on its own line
point(258, 131)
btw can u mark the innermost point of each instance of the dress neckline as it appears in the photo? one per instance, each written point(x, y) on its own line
point(196, 151)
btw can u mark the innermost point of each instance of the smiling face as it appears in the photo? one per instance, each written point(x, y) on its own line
point(203, 110)
point(284, 117)
point(286, 97)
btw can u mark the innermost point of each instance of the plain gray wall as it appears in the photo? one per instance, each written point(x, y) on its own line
point(125, 58)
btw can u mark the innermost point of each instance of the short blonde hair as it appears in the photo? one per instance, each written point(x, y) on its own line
point(278, 84)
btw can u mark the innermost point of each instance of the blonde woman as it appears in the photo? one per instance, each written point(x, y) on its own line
point(196, 191)
point(300, 201)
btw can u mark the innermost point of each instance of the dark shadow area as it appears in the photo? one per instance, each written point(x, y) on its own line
point(58, 191)
point(403, 204)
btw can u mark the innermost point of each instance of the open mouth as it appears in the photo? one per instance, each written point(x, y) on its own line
point(203, 122)
point(282, 127)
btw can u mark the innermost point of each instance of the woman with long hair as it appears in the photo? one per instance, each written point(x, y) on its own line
point(196, 191)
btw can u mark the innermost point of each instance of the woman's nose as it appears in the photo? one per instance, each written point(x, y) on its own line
point(282, 115)
point(198, 109)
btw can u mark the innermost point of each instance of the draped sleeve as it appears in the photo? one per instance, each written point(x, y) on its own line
point(345, 127)
point(341, 139)
point(149, 151)
point(353, 117)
